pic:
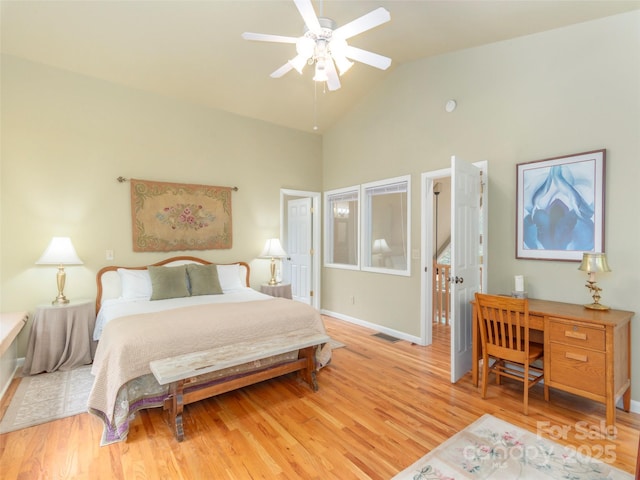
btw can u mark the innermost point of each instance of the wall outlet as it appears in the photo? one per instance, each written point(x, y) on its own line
point(109, 255)
point(353, 300)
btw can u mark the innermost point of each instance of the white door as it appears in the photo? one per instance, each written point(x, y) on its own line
point(299, 244)
point(465, 260)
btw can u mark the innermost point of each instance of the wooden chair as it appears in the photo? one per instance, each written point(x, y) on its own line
point(504, 333)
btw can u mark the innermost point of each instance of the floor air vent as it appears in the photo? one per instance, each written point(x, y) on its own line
point(386, 337)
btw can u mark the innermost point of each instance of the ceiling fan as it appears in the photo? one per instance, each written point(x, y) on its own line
point(325, 46)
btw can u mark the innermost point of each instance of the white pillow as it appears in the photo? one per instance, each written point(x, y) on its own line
point(229, 277)
point(135, 283)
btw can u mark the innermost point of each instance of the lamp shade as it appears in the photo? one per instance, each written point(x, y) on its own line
point(380, 246)
point(594, 262)
point(273, 248)
point(60, 251)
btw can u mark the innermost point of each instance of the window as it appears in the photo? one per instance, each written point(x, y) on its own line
point(386, 230)
point(342, 213)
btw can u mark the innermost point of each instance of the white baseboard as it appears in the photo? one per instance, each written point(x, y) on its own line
point(635, 405)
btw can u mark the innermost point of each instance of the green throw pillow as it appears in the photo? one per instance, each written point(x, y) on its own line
point(168, 282)
point(203, 279)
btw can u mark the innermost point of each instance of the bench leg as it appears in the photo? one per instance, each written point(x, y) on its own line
point(309, 371)
point(174, 403)
point(175, 409)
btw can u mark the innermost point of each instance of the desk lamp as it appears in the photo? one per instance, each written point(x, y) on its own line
point(592, 263)
point(60, 252)
point(273, 249)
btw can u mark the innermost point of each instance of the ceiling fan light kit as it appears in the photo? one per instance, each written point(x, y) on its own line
point(324, 46)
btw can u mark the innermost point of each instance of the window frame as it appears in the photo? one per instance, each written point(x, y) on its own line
point(329, 224)
point(366, 260)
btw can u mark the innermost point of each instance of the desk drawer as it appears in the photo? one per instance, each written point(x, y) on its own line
point(536, 322)
point(577, 367)
point(576, 334)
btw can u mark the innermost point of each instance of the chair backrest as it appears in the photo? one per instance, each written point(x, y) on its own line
point(504, 326)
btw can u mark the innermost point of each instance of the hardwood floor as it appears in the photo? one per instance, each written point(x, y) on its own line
point(381, 406)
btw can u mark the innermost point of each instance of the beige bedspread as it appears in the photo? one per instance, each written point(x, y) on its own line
point(129, 343)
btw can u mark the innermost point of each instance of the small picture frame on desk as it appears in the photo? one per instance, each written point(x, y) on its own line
point(560, 207)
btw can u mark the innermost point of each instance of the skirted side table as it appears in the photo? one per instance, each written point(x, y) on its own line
point(280, 290)
point(61, 337)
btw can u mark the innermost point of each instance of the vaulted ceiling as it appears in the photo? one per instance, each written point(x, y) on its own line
point(193, 51)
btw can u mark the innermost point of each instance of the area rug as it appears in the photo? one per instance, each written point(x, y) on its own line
point(335, 344)
point(46, 397)
point(491, 448)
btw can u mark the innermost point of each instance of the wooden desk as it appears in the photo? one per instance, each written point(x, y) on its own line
point(586, 352)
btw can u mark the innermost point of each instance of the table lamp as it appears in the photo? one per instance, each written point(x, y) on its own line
point(273, 249)
point(60, 252)
point(592, 263)
point(380, 248)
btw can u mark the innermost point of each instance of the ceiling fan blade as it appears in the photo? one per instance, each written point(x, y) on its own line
point(333, 82)
point(308, 15)
point(298, 62)
point(282, 70)
point(265, 37)
point(364, 23)
point(367, 57)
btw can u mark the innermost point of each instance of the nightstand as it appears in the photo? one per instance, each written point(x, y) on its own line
point(280, 290)
point(61, 337)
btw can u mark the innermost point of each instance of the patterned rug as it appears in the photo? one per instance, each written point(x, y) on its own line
point(46, 397)
point(491, 448)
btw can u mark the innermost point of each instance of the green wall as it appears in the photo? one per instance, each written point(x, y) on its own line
point(562, 92)
point(65, 140)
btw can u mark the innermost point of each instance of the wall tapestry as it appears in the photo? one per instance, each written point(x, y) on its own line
point(176, 216)
point(560, 207)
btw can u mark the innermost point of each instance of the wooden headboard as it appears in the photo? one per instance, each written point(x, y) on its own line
point(108, 280)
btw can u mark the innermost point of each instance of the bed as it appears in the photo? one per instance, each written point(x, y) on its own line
point(175, 307)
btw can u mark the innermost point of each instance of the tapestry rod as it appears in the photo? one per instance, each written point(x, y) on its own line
point(122, 180)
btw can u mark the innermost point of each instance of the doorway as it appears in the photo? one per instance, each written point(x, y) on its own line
point(428, 201)
point(300, 216)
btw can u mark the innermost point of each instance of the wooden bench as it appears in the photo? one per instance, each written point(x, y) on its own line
point(10, 326)
point(184, 372)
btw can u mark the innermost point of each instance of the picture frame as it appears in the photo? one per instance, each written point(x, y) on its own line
point(560, 207)
point(170, 217)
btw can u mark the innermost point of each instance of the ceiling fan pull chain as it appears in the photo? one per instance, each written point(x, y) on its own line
point(315, 106)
